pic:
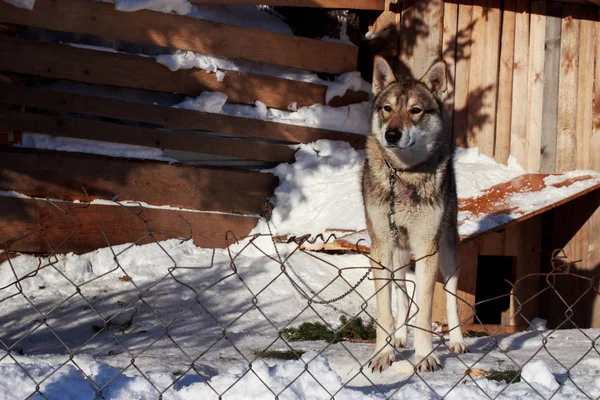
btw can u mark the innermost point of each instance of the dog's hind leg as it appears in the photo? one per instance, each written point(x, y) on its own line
point(403, 295)
point(449, 266)
point(383, 357)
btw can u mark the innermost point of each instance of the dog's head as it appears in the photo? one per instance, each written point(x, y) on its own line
point(407, 114)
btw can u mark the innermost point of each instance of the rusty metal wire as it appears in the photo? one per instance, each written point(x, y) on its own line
point(200, 334)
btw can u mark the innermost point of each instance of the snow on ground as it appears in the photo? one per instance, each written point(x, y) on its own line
point(216, 318)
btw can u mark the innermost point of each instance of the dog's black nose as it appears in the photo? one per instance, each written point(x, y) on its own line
point(393, 135)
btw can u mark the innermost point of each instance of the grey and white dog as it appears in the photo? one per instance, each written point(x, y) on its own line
point(409, 194)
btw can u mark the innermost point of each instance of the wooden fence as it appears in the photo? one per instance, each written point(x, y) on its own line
point(28, 104)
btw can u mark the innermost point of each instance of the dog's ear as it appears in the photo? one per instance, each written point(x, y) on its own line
point(382, 75)
point(435, 80)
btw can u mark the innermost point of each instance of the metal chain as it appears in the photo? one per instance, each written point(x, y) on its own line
point(299, 289)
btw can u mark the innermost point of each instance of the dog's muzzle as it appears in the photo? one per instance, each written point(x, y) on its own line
point(392, 136)
point(398, 139)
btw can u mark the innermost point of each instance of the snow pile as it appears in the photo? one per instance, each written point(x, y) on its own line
point(537, 373)
point(211, 102)
point(320, 190)
point(28, 4)
point(181, 7)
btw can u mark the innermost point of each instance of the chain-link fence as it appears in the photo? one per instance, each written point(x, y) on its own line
point(264, 318)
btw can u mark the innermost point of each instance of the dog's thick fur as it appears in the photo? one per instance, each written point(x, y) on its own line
point(408, 136)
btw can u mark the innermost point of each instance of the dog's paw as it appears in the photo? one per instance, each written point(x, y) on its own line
point(430, 363)
point(458, 347)
point(382, 359)
point(400, 343)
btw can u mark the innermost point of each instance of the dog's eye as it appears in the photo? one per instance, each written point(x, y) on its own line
point(387, 108)
point(415, 110)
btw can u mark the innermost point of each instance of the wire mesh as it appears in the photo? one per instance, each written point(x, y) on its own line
point(202, 313)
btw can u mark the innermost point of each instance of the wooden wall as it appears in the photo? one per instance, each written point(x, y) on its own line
point(524, 82)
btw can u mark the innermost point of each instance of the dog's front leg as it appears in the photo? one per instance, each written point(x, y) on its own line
point(384, 349)
point(426, 273)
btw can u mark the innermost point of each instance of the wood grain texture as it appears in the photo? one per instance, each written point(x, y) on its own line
point(39, 226)
point(518, 125)
point(185, 33)
point(477, 92)
point(461, 81)
point(583, 126)
point(566, 140)
point(491, 66)
point(57, 61)
point(65, 176)
point(550, 97)
point(162, 139)
point(174, 118)
point(343, 4)
point(535, 86)
point(505, 85)
point(449, 47)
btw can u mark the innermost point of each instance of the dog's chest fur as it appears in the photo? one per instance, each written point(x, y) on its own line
point(434, 194)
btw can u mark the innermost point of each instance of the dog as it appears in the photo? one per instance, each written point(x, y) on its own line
point(409, 194)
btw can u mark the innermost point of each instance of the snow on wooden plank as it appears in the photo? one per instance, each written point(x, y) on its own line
point(502, 205)
point(57, 61)
point(175, 118)
point(157, 138)
point(341, 4)
point(41, 226)
point(185, 33)
point(73, 176)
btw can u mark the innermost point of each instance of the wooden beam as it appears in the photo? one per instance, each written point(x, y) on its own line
point(341, 4)
point(175, 118)
point(39, 226)
point(65, 176)
point(57, 61)
point(585, 91)
point(185, 33)
point(162, 139)
point(461, 79)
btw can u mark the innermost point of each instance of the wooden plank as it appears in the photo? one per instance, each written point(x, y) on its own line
point(594, 223)
point(583, 126)
point(175, 118)
point(518, 124)
point(467, 282)
point(64, 176)
point(116, 69)
point(566, 144)
point(477, 91)
point(185, 33)
point(492, 244)
point(450, 26)
point(461, 85)
point(427, 49)
point(535, 86)
point(39, 226)
point(551, 78)
point(342, 4)
point(505, 85)
point(486, 142)
point(163, 139)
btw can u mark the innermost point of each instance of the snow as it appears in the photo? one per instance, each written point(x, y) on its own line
point(181, 7)
point(538, 374)
point(28, 4)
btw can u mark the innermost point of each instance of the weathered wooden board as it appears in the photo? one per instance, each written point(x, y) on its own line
point(477, 116)
point(505, 84)
point(343, 4)
point(65, 176)
point(185, 33)
point(57, 61)
point(566, 142)
point(518, 125)
point(449, 47)
point(535, 88)
point(163, 139)
point(550, 96)
point(39, 226)
point(461, 79)
point(174, 118)
point(585, 93)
